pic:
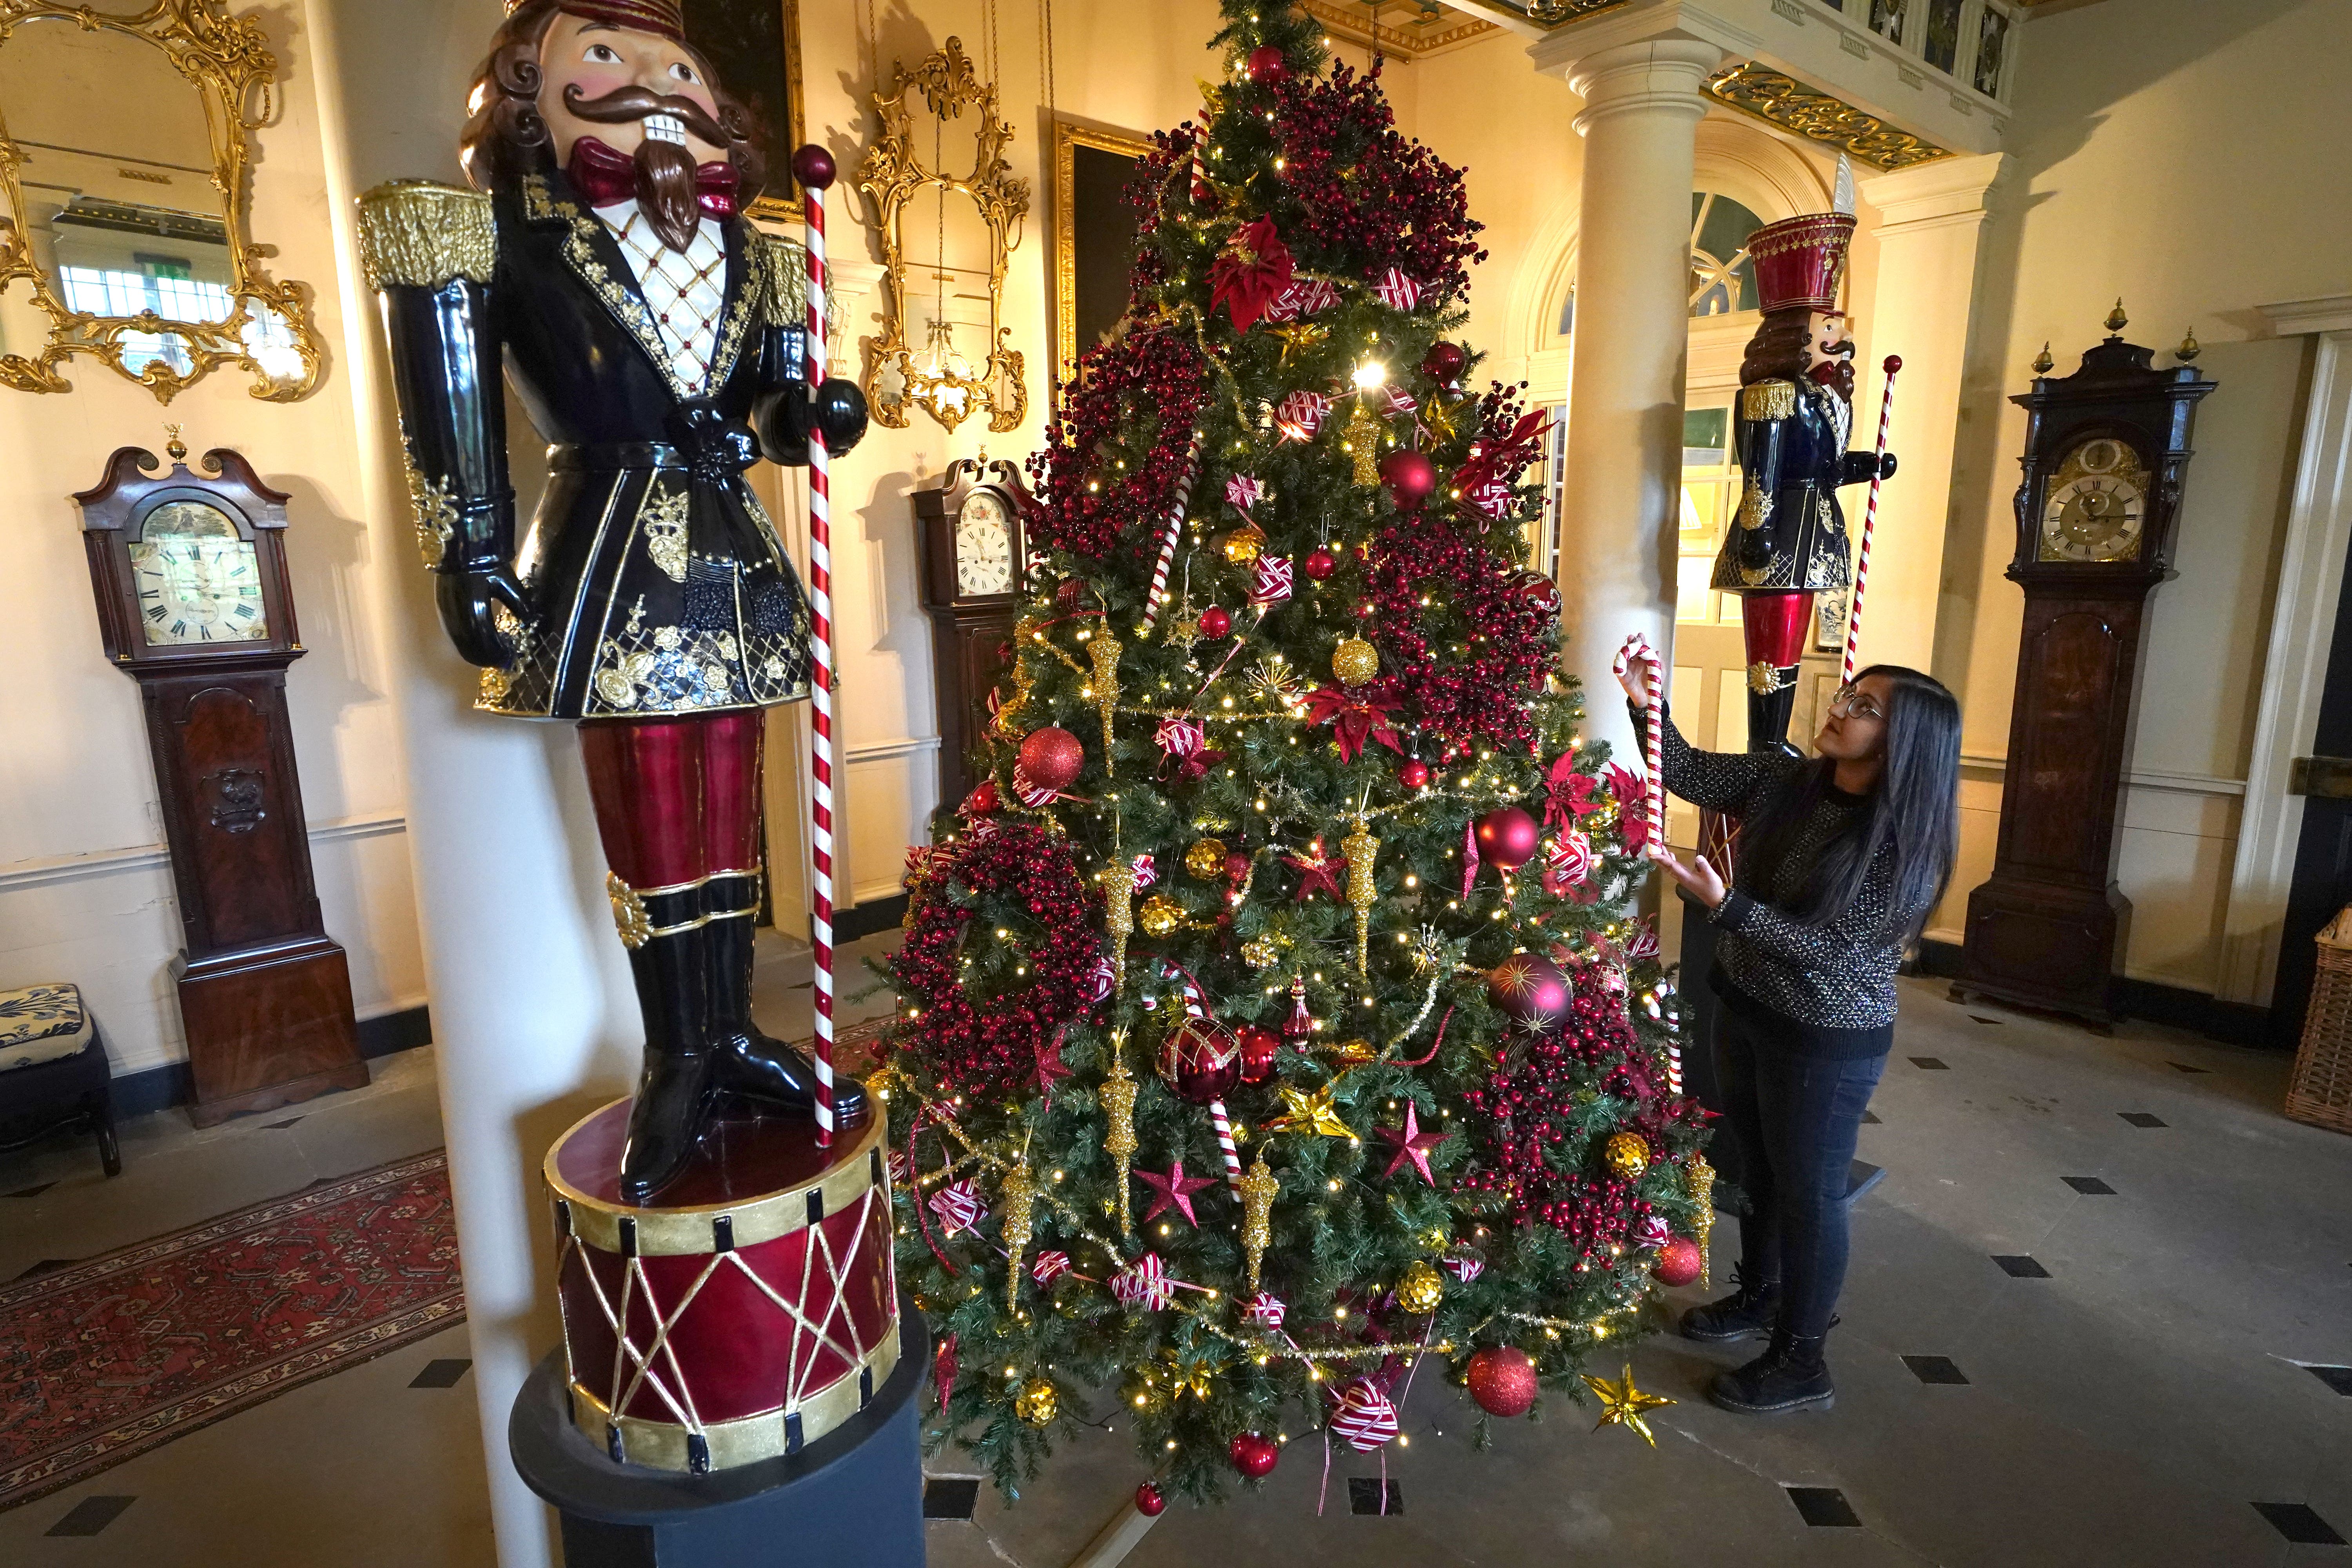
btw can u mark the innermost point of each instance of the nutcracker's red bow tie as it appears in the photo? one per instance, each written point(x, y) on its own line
point(603, 176)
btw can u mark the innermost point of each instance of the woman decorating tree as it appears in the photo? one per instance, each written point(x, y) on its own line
point(1840, 860)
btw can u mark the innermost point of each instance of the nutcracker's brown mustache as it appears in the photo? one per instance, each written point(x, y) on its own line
point(665, 168)
point(624, 104)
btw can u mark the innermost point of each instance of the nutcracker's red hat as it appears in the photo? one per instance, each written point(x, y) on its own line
point(665, 17)
point(1799, 260)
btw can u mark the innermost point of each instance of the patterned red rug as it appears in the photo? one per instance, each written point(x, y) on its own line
point(105, 1360)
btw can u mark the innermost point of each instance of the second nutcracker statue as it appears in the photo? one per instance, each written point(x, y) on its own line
point(658, 342)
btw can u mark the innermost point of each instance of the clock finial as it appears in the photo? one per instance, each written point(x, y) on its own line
point(2189, 347)
point(176, 449)
point(2043, 363)
point(2116, 319)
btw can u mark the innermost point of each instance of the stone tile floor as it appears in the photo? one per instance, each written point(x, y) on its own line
point(2146, 1397)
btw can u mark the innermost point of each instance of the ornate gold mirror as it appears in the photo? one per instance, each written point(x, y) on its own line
point(918, 239)
point(123, 165)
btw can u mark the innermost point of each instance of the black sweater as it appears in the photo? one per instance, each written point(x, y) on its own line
point(1826, 989)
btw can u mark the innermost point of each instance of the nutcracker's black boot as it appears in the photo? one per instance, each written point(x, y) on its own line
point(1768, 711)
point(1750, 1310)
point(1790, 1375)
point(752, 1065)
point(678, 1089)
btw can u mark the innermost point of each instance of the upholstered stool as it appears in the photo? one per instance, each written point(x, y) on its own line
point(53, 1071)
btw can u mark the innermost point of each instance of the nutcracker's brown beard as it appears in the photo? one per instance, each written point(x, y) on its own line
point(666, 171)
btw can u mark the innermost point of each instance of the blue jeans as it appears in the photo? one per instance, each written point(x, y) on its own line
point(1796, 1119)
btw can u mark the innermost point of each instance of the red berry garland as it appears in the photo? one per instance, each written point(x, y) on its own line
point(1150, 379)
point(1465, 698)
point(986, 1045)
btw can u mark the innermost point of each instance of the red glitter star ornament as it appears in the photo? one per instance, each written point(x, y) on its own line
point(1173, 1190)
point(1315, 871)
point(1411, 1144)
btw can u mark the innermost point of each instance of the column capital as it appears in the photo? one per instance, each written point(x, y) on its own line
point(1667, 73)
point(1946, 190)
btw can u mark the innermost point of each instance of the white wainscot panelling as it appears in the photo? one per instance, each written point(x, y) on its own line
point(893, 787)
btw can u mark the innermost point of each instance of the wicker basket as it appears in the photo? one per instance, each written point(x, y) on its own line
point(2320, 1092)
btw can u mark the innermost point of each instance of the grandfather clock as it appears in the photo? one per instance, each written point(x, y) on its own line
point(2105, 452)
point(974, 563)
point(194, 605)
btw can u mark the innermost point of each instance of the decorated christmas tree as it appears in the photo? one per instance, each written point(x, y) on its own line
point(1273, 1021)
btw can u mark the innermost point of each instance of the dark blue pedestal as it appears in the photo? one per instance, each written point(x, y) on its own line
point(853, 1500)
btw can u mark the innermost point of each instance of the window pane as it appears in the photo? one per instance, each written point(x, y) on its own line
point(1943, 33)
point(1690, 588)
point(1992, 46)
point(1886, 17)
point(1705, 434)
point(1567, 313)
point(1728, 225)
point(1702, 506)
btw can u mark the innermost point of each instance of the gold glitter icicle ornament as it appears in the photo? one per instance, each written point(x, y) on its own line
point(1118, 1108)
point(1258, 1189)
point(1104, 649)
point(1363, 888)
point(1361, 438)
point(1118, 917)
point(1421, 1289)
point(1355, 661)
point(1628, 1155)
point(1699, 1180)
point(1019, 1196)
point(1206, 859)
point(1037, 1403)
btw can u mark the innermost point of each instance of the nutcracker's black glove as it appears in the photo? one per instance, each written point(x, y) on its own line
point(788, 417)
point(1861, 468)
point(467, 599)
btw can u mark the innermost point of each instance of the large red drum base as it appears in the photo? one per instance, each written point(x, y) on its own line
point(750, 1311)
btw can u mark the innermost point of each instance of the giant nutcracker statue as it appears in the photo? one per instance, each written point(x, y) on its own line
point(1788, 540)
point(658, 341)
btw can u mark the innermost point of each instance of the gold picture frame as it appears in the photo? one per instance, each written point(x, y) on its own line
point(736, 37)
point(266, 327)
point(1069, 136)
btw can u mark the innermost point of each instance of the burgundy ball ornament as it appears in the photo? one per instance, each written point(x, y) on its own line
point(1266, 65)
point(812, 167)
point(1216, 622)
point(1538, 590)
point(1507, 837)
point(1411, 476)
point(1445, 362)
point(1052, 757)
point(983, 800)
point(1257, 1047)
point(1201, 1060)
point(1253, 1455)
point(1319, 563)
point(1678, 1262)
point(1147, 1501)
point(1502, 1379)
point(1529, 990)
point(1413, 773)
point(1236, 867)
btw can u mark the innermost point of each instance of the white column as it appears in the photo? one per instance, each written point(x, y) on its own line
point(1923, 307)
point(530, 1003)
point(1643, 104)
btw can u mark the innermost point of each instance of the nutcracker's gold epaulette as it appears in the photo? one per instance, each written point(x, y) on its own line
point(1769, 400)
point(424, 234)
point(780, 267)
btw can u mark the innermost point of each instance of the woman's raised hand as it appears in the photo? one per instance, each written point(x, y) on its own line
point(1696, 875)
point(1636, 671)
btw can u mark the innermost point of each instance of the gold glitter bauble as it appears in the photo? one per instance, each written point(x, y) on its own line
point(1628, 1155)
point(1159, 915)
point(1206, 859)
point(1261, 953)
point(1420, 1289)
point(1037, 1404)
point(1243, 544)
point(1355, 661)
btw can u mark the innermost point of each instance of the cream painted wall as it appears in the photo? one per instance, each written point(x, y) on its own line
point(84, 891)
point(2164, 155)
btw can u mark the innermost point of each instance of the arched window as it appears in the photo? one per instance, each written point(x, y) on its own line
point(1723, 279)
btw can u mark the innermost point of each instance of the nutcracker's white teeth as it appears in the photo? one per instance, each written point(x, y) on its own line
point(665, 128)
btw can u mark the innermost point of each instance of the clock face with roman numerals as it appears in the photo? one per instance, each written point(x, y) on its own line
point(197, 580)
point(983, 546)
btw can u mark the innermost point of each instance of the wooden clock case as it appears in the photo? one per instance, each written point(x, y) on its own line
point(265, 994)
point(968, 633)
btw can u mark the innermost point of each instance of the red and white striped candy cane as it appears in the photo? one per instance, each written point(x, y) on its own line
point(1175, 530)
point(1869, 525)
point(812, 167)
point(1654, 791)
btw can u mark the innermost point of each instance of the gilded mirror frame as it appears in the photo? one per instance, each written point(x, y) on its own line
point(891, 174)
point(228, 62)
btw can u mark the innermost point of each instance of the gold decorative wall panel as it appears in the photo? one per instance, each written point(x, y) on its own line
point(1781, 99)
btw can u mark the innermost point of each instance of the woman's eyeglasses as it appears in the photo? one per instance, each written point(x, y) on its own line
point(1854, 702)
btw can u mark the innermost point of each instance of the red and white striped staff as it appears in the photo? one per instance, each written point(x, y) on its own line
point(812, 167)
point(1175, 530)
point(1869, 524)
point(1637, 649)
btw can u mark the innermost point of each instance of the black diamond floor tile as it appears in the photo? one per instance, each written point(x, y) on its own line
point(1931, 1064)
point(32, 1191)
point(949, 1497)
point(1364, 1497)
point(2141, 1119)
point(280, 1126)
point(440, 1375)
point(1870, 1118)
point(2091, 1186)
point(1824, 1506)
point(2020, 1268)
point(1861, 1176)
point(93, 1514)
point(2184, 1067)
point(2296, 1520)
point(1980, 1018)
point(1935, 1369)
point(2338, 1378)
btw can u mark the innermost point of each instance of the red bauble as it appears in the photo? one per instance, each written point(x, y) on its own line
point(1413, 773)
point(812, 167)
point(1443, 363)
point(1410, 477)
point(1319, 563)
point(1253, 1455)
point(1507, 837)
point(1052, 757)
point(1069, 594)
point(1237, 866)
point(1215, 622)
point(1502, 1380)
point(1257, 1047)
point(1678, 1262)
point(1266, 64)
point(1147, 1501)
point(1538, 590)
point(1201, 1060)
point(1530, 991)
point(983, 800)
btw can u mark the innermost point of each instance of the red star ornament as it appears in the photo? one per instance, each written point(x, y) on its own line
point(1175, 1190)
point(1051, 1069)
point(1411, 1144)
point(1315, 871)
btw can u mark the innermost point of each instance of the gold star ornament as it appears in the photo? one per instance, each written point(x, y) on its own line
point(1621, 1404)
point(1311, 1113)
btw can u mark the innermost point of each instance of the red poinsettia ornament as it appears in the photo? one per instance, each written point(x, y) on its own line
point(1253, 271)
point(1357, 716)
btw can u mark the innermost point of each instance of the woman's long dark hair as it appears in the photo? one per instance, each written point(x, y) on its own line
point(1914, 815)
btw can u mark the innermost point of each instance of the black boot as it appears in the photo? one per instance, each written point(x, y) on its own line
point(753, 1065)
point(1750, 1310)
point(678, 1089)
point(1790, 1375)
